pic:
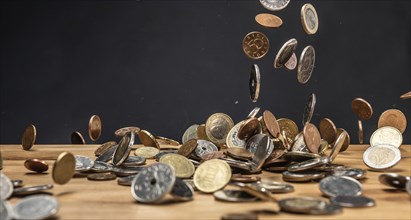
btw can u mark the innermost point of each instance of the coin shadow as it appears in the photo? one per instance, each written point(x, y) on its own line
point(34, 173)
point(39, 193)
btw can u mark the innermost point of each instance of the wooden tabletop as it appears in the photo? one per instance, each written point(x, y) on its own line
point(84, 199)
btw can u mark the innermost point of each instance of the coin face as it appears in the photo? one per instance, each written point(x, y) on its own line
point(312, 137)
point(254, 83)
point(182, 191)
point(6, 188)
point(29, 137)
point(146, 152)
point(234, 196)
point(36, 207)
point(302, 176)
point(190, 133)
point(353, 201)
point(381, 157)
point(253, 112)
point(94, 127)
point(64, 168)
point(406, 95)
point(361, 108)
point(83, 163)
point(123, 131)
point(306, 64)
point(188, 147)
point(309, 19)
point(23, 191)
point(285, 53)
point(255, 45)
point(268, 20)
point(36, 165)
point(360, 133)
point(393, 118)
point(104, 147)
point(291, 63)
point(204, 147)
point(217, 127)
point(77, 138)
point(299, 144)
point(328, 130)
point(147, 139)
point(248, 128)
point(182, 166)
point(212, 175)
point(102, 176)
point(386, 135)
point(232, 139)
point(340, 186)
point(309, 109)
point(123, 149)
point(264, 149)
point(152, 183)
point(274, 5)
point(108, 154)
point(289, 126)
point(271, 123)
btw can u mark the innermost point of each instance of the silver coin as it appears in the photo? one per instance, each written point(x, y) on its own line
point(234, 196)
point(204, 147)
point(302, 205)
point(309, 109)
point(83, 163)
point(299, 144)
point(6, 211)
point(274, 5)
point(408, 186)
point(353, 201)
point(134, 161)
point(338, 145)
point(308, 164)
point(285, 53)
point(328, 209)
point(254, 112)
point(232, 139)
point(102, 176)
point(36, 207)
point(123, 150)
point(264, 149)
point(101, 167)
point(340, 186)
point(127, 171)
point(31, 190)
point(350, 172)
point(237, 163)
point(126, 180)
point(254, 83)
point(381, 157)
point(252, 143)
point(306, 64)
point(182, 191)
point(190, 133)
point(275, 187)
point(153, 183)
point(6, 187)
point(17, 183)
point(393, 180)
point(302, 176)
point(191, 183)
point(298, 156)
point(108, 155)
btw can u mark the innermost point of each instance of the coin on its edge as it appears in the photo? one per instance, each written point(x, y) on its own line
point(217, 127)
point(309, 19)
point(147, 139)
point(328, 130)
point(94, 127)
point(254, 83)
point(394, 118)
point(361, 108)
point(64, 168)
point(29, 137)
point(381, 157)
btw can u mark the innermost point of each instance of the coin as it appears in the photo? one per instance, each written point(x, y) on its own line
point(36, 165)
point(188, 147)
point(254, 83)
point(299, 144)
point(393, 118)
point(275, 187)
point(361, 108)
point(393, 180)
point(17, 183)
point(126, 171)
point(255, 45)
point(239, 216)
point(264, 149)
point(146, 152)
point(101, 167)
point(248, 128)
point(312, 137)
point(94, 127)
point(6, 188)
point(167, 141)
point(123, 131)
point(29, 137)
point(285, 53)
point(201, 132)
point(126, 181)
point(153, 183)
point(217, 127)
point(328, 130)
point(271, 123)
point(274, 5)
point(291, 63)
point(323, 147)
point(147, 139)
point(244, 179)
point(256, 191)
point(340, 186)
point(347, 141)
point(104, 147)
point(83, 163)
point(353, 201)
point(123, 149)
point(6, 211)
point(408, 187)
point(239, 153)
point(289, 126)
point(302, 205)
point(234, 196)
point(386, 135)
point(190, 133)
point(36, 207)
point(302, 176)
point(182, 166)
point(204, 147)
point(212, 175)
point(406, 95)
point(64, 168)
point(23, 191)
point(213, 155)
point(308, 164)
point(232, 139)
point(268, 20)
point(182, 191)
point(77, 138)
point(253, 112)
point(360, 133)
point(107, 155)
point(102, 176)
point(350, 172)
point(306, 64)
point(338, 145)
point(309, 19)
point(133, 161)
point(309, 109)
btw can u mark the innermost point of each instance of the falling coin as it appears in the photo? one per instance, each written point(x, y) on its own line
point(147, 139)
point(394, 118)
point(312, 137)
point(77, 138)
point(274, 5)
point(217, 127)
point(347, 139)
point(255, 45)
point(285, 53)
point(393, 180)
point(254, 83)
point(291, 63)
point(188, 147)
point(360, 133)
point(271, 123)
point(123, 150)
point(123, 131)
point(36, 165)
point(289, 126)
point(309, 19)
point(232, 139)
point(268, 20)
point(306, 64)
point(386, 135)
point(361, 108)
point(64, 168)
point(94, 127)
point(406, 95)
point(29, 137)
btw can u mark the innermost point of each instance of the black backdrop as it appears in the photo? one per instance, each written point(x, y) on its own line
point(164, 65)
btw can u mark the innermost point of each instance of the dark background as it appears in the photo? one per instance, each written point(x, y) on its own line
point(164, 65)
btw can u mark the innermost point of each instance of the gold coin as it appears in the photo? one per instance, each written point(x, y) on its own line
point(147, 139)
point(217, 127)
point(361, 108)
point(94, 127)
point(268, 20)
point(360, 133)
point(64, 168)
point(212, 175)
point(201, 132)
point(328, 130)
point(123, 131)
point(289, 126)
point(291, 63)
point(285, 53)
point(270, 122)
point(309, 19)
point(312, 137)
point(255, 45)
point(166, 141)
point(347, 139)
point(147, 152)
point(394, 118)
point(29, 137)
point(77, 138)
point(187, 148)
point(104, 147)
point(406, 95)
point(386, 135)
point(182, 166)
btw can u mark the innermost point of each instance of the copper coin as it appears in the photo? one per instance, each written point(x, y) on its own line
point(271, 123)
point(268, 20)
point(239, 153)
point(255, 45)
point(291, 63)
point(201, 132)
point(393, 118)
point(285, 53)
point(244, 178)
point(102, 176)
point(94, 127)
point(312, 137)
point(123, 131)
point(361, 108)
point(346, 140)
point(248, 128)
point(36, 165)
point(328, 130)
point(187, 148)
point(104, 147)
point(360, 133)
point(147, 139)
point(213, 155)
point(406, 95)
point(77, 138)
point(29, 137)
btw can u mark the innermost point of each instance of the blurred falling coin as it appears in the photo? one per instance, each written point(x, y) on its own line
point(309, 109)
point(285, 53)
point(291, 63)
point(29, 137)
point(394, 180)
point(328, 130)
point(360, 132)
point(268, 20)
point(254, 83)
point(275, 5)
point(77, 138)
point(64, 168)
point(394, 118)
point(217, 127)
point(381, 157)
point(123, 131)
point(102, 176)
point(256, 45)
point(36, 165)
point(212, 175)
point(147, 139)
point(361, 108)
point(406, 95)
point(94, 127)
point(312, 137)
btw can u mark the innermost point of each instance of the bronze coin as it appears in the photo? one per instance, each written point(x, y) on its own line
point(291, 63)
point(406, 95)
point(29, 137)
point(104, 147)
point(102, 176)
point(244, 178)
point(201, 132)
point(147, 139)
point(394, 118)
point(275, 156)
point(213, 155)
point(36, 165)
point(239, 153)
point(94, 127)
point(270, 122)
point(123, 131)
point(312, 137)
point(77, 138)
point(188, 147)
point(361, 108)
point(166, 141)
point(360, 133)
point(268, 20)
point(255, 45)
point(346, 140)
point(248, 128)
point(328, 130)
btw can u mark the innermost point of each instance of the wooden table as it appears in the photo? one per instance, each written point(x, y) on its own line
point(84, 199)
